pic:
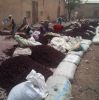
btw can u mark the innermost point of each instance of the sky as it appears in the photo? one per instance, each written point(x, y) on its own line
point(93, 1)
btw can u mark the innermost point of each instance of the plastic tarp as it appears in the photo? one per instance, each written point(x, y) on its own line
point(96, 39)
point(22, 51)
point(66, 69)
point(78, 53)
point(72, 58)
point(59, 88)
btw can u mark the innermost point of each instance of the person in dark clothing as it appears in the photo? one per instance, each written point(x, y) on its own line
point(59, 20)
point(12, 24)
point(25, 22)
point(27, 30)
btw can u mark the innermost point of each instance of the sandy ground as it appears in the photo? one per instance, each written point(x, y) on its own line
point(86, 82)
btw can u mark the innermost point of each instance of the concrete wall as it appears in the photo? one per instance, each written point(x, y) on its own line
point(89, 10)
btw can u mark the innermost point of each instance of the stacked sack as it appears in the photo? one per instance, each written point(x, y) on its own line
point(24, 42)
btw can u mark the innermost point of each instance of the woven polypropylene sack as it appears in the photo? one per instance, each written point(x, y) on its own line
point(24, 42)
point(23, 92)
point(72, 58)
point(78, 53)
point(59, 88)
point(66, 69)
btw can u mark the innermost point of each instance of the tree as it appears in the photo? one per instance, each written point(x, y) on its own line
point(70, 5)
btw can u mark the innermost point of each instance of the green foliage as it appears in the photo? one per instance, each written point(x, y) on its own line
point(70, 5)
point(73, 3)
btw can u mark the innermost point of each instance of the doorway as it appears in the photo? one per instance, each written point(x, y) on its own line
point(34, 12)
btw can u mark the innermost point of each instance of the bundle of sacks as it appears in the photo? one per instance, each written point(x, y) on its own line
point(81, 28)
point(64, 43)
point(34, 88)
point(26, 42)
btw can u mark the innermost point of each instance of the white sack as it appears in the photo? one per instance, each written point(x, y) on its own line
point(66, 69)
point(59, 88)
point(33, 89)
point(22, 51)
point(78, 53)
point(72, 58)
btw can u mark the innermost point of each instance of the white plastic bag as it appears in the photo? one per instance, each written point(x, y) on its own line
point(33, 89)
point(38, 80)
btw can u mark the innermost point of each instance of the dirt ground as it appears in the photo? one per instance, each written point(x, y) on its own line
point(86, 82)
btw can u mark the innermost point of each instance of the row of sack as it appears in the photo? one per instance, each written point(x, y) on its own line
point(60, 43)
point(58, 46)
point(57, 87)
point(68, 66)
point(35, 87)
point(65, 72)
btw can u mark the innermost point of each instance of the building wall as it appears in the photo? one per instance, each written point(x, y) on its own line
point(20, 8)
point(17, 8)
point(48, 9)
point(89, 10)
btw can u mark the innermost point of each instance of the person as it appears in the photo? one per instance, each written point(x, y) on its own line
point(12, 24)
point(58, 28)
point(59, 20)
point(27, 29)
point(25, 22)
point(42, 28)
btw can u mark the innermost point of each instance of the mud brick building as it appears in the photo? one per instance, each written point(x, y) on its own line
point(35, 10)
